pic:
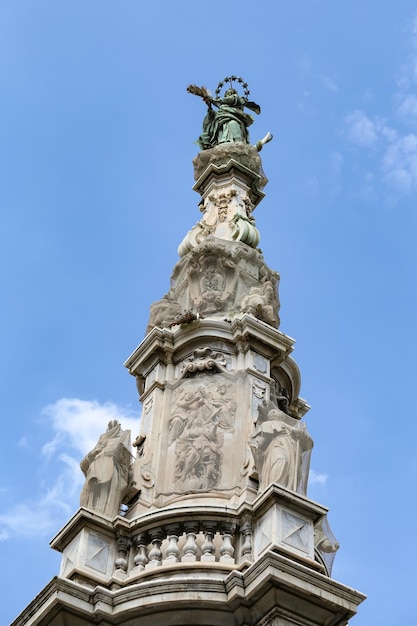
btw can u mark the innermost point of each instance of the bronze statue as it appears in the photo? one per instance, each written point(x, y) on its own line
point(229, 123)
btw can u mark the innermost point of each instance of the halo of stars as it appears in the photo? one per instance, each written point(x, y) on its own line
point(232, 79)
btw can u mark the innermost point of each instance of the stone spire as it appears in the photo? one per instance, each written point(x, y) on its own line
point(215, 527)
point(214, 369)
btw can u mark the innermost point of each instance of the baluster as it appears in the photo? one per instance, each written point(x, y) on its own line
point(155, 553)
point(246, 549)
point(208, 548)
point(172, 551)
point(141, 558)
point(190, 546)
point(227, 549)
point(123, 545)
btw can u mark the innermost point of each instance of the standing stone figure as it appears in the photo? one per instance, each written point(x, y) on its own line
point(281, 448)
point(107, 471)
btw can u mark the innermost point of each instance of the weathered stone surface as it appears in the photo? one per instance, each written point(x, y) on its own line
point(261, 302)
point(281, 447)
point(200, 432)
point(107, 470)
point(261, 568)
point(220, 280)
point(243, 153)
point(230, 181)
point(201, 405)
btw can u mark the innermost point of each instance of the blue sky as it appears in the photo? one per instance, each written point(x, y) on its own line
point(96, 143)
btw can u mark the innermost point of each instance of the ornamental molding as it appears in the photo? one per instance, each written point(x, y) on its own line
point(204, 359)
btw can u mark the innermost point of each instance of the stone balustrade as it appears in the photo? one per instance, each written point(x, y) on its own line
point(98, 548)
point(212, 538)
point(197, 539)
point(190, 542)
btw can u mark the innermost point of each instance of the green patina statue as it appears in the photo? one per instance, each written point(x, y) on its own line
point(229, 122)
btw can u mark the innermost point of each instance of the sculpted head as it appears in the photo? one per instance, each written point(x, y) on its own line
point(275, 414)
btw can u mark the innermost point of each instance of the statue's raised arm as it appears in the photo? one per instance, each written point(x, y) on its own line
point(229, 122)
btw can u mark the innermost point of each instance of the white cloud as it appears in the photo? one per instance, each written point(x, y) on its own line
point(76, 426)
point(27, 520)
point(414, 36)
point(306, 66)
point(400, 163)
point(4, 533)
point(397, 154)
point(329, 83)
point(78, 423)
point(317, 479)
point(408, 71)
point(397, 149)
point(408, 106)
point(361, 129)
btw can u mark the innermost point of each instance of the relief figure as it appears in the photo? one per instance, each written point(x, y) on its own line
point(262, 302)
point(163, 312)
point(212, 281)
point(195, 432)
point(198, 456)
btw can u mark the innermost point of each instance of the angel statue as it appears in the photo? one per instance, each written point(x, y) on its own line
point(229, 122)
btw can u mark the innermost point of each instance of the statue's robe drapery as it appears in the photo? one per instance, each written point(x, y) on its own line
point(228, 124)
point(282, 449)
point(106, 469)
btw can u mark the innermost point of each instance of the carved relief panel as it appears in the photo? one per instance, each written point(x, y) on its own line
point(259, 395)
point(212, 282)
point(216, 211)
point(214, 279)
point(200, 430)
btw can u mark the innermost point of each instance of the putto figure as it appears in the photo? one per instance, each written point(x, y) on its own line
point(229, 123)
